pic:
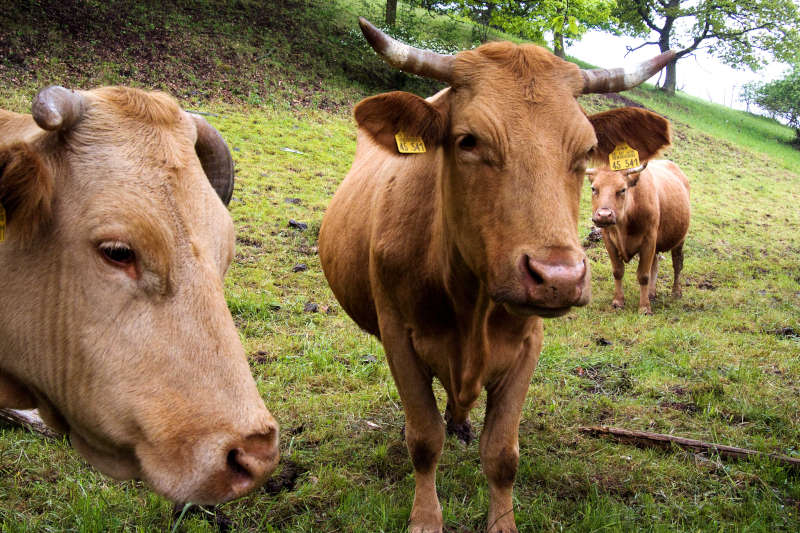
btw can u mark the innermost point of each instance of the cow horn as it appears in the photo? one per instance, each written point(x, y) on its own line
point(635, 170)
point(600, 80)
point(407, 58)
point(215, 157)
point(56, 108)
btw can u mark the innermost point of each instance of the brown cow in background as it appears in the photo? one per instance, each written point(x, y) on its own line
point(644, 210)
point(452, 256)
point(113, 321)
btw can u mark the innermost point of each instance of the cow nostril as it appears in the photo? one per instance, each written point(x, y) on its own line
point(535, 275)
point(250, 460)
point(235, 465)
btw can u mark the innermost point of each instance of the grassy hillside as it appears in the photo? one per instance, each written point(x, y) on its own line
point(720, 365)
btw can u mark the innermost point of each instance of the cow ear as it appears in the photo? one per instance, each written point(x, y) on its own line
point(26, 190)
point(385, 115)
point(644, 131)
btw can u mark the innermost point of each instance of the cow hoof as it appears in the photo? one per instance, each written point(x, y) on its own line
point(645, 311)
point(651, 296)
point(423, 528)
point(462, 432)
point(503, 525)
point(617, 304)
point(676, 294)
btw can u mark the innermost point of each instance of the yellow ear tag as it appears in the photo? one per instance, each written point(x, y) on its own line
point(623, 157)
point(2, 223)
point(407, 144)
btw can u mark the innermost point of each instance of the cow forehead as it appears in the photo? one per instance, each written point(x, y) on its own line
point(522, 91)
point(608, 179)
point(134, 171)
point(501, 66)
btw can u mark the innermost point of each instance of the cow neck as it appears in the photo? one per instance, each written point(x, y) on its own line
point(472, 307)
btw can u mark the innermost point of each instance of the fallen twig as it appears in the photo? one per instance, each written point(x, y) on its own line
point(29, 420)
point(645, 439)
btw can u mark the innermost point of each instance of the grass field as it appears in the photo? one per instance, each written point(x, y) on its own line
point(721, 364)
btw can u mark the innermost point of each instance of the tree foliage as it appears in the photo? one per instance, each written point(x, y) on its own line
point(781, 98)
point(565, 19)
point(739, 32)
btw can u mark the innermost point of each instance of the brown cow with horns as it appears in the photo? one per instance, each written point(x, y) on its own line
point(114, 323)
point(642, 210)
point(452, 256)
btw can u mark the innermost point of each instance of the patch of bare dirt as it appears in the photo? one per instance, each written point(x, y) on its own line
point(623, 100)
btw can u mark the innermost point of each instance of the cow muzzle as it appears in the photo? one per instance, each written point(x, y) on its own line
point(207, 469)
point(229, 471)
point(604, 217)
point(554, 284)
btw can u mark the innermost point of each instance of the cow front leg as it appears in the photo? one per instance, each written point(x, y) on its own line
point(677, 266)
point(646, 258)
point(618, 270)
point(500, 437)
point(424, 427)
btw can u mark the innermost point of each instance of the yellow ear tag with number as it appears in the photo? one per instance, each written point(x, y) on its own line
point(623, 157)
point(407, 144)
point(2, 223)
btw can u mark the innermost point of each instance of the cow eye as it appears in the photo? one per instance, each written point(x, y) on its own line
point(117, 253)
point(594, 191)
point(467, 142)
point(621, 192)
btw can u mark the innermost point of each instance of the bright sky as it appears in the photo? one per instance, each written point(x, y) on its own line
point(702, 75)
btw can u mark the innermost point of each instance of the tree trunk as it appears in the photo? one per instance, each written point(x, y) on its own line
point(670, 80)
point(391, 12)
point(663, 44)
point(558, 44)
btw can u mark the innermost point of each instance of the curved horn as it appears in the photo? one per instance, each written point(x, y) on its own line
point(56, 108)
point(600, 80)
point(635, 170)
point(407, 58)
point(215, 157)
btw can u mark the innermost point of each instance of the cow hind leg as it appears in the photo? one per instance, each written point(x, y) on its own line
point(677, 267)
point(500, 440)
point(651, 293)
point(647, 255)
point(458, 423)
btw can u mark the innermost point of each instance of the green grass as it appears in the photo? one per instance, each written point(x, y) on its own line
point(708, 366)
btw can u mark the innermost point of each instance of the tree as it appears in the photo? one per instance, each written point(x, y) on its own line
point(566, 19)
point(739, 32)
point(571, 18)
point(780, 97)
point(391, 12)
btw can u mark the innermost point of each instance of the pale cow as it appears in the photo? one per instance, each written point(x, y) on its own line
point(114, 322)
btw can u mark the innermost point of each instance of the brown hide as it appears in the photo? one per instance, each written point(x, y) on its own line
point(452, 257)
point(643, 213)
point(114, 323)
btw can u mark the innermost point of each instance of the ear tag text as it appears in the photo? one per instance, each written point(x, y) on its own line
point(623, 157)
point(2, 223)
point(407, 144)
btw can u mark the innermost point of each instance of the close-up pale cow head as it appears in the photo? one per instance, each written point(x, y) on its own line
point(516, 144)
point(113, 321)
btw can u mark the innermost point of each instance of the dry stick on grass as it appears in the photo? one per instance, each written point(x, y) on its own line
point(29, 420)
point(660, 440)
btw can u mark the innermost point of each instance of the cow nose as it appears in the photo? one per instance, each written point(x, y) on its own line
point(604, 217)
point(556, 283)
point(252, 459)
